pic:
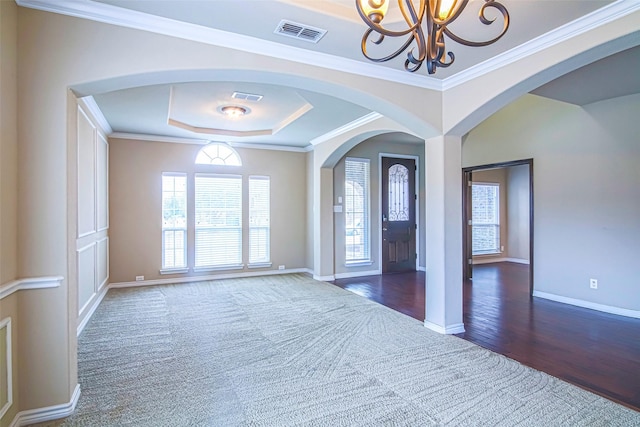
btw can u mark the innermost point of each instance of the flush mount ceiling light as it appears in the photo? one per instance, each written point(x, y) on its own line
point(234, 111)
point(432, 17)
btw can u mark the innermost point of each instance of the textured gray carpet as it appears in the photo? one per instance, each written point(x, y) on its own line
point(288, 351)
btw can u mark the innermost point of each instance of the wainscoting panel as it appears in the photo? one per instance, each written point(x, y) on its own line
point(86, 175)
point(102, 182)
point(102, 262)
point(86, 275)
point(6, 381)
point(92, 235)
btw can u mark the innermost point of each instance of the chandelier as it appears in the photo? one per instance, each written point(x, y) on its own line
point(432, 17)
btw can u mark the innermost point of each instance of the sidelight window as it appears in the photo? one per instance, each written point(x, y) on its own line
point(174, 221)
point(259, 221)
point(356, 210)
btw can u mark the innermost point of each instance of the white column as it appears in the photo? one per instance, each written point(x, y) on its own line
point(443, 308)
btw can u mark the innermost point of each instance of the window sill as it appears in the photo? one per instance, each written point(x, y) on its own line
point(219, 268)
point(259, 265)
point(174, 270)
point(358, 263)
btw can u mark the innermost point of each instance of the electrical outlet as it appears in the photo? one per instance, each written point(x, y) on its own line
point(139, 278)
point(281, 267)
point(593, 283)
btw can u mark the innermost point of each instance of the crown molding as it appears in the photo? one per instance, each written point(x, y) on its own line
point(158, 138)
point(566, 32)
point(346, 128)
point(89, 103)
point(114, 15)
point(275, 147)
point(177, 140)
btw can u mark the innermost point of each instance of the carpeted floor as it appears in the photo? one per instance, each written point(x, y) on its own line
point(288, 351)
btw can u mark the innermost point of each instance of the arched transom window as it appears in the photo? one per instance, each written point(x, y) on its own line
point(218, 153)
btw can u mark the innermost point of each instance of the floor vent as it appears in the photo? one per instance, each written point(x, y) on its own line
point(300, 31)
point(246, 96)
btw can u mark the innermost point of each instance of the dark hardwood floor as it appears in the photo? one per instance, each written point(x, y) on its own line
point(596, 351)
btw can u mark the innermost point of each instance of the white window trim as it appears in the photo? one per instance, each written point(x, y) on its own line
point(497, 251)
point(219, 268)
point(185, 229)
point(363, 261)
point(174, 270)
point(218, 144)
point(259, 265)
point(267, 263)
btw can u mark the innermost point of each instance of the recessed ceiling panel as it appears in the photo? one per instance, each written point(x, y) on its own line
point(201, 106)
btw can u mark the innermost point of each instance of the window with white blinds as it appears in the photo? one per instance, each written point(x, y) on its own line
point(218, 221)
point(174, 221)
point(485, 218)
point(356, 210)
point(259, 220)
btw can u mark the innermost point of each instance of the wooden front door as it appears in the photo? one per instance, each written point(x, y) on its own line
point(398, 215)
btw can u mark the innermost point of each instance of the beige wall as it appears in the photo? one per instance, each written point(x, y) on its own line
point(370, 149)
point(518, 212)
point(309, 229)
point(9, 187)
point(135, 198)
point(586, 192)
point(498, 176)
point(8, 142)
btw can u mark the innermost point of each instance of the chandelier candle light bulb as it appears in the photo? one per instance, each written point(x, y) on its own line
point(432, 17)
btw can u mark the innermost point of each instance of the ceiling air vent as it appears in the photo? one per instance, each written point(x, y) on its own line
point(300, 31)
point(246, 96)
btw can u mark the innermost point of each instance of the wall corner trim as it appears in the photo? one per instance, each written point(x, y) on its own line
point(588, 304)
point(456, 328)
point(324, 278)
point(30, 283)
point(32, 416)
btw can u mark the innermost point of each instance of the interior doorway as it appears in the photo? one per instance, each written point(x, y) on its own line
point(399, 223)
point(492, 243)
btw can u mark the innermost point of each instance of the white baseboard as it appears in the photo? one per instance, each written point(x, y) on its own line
point(517, 260)
point(40, 415)
point(420, 268)
point(501, 259)
point(587, 304)
point(488, 260)
point(357, 274)
point(448, 330)
point(206, 278)
point(92, 308)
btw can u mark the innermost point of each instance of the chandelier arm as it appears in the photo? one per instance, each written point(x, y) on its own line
point(409, 12)
point(379, 28)
point(401, 49)
point(485, 21)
